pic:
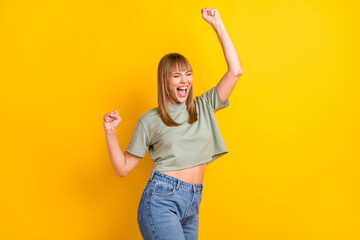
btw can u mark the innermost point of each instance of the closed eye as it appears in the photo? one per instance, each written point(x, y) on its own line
point(186, 74)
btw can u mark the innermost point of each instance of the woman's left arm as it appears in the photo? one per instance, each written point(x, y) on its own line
point(227, 83)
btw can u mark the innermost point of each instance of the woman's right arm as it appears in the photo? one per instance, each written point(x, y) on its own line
point(122, 163)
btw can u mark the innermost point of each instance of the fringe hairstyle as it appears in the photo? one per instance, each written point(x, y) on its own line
point(169, 63)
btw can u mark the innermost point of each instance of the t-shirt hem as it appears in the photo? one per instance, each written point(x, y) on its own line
point(189, 166)
point(135, 153)
point(217, 155)
point(208, 161)
point(222, 104)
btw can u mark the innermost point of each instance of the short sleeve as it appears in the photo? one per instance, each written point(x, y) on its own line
point(139, 143)
point(213, 99)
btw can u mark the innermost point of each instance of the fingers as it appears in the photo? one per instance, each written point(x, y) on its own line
point(208, 11)
point(114, 114)
point(204, 10)
point(109, 117)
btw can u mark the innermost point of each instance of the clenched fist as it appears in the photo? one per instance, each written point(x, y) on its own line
point(212, 16)
point(111, 120)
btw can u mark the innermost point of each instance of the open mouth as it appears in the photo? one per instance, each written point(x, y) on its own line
point(182, 91)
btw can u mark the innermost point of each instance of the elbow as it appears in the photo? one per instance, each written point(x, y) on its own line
point(237, 73)
point(121, 174)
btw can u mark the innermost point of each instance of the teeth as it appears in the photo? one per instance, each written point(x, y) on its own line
point(183, 88)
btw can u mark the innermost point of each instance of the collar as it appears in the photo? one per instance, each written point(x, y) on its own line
point(176, 106)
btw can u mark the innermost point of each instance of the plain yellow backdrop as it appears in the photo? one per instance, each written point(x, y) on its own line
point(292, 128)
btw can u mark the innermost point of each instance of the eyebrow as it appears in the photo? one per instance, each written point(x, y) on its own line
point(179, 72)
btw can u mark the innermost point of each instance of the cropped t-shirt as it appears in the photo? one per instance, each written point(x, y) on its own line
point(184, 146)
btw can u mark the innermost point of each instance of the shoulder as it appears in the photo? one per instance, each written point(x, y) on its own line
point(151, 121)
point(150, 116)
point(204, 96)
point(202, 100)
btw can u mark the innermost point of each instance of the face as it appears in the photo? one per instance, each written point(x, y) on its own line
point(178, 81)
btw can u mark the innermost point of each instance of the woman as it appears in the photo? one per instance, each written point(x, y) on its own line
point(182, 136)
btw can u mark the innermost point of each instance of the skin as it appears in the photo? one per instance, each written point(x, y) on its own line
point(125, 163)
point(194, 174)
point(177, 79)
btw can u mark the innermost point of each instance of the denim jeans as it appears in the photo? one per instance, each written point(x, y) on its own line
point(169, 208)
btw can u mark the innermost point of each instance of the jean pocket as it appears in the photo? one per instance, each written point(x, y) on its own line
point(163, 189)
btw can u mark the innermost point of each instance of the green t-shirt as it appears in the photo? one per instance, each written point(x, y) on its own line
point(184, 146)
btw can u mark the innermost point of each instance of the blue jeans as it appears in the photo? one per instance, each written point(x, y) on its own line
point(169, 208)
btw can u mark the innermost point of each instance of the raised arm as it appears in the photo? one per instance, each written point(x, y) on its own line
point(227, 83)
point(123, 163)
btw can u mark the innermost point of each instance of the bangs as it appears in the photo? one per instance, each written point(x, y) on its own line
point(180, 64)
point(173, 62)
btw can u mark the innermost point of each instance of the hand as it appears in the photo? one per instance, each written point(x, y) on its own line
point(111, 120)
point(212, 16)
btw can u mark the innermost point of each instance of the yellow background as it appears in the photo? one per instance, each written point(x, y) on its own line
point(292, 128)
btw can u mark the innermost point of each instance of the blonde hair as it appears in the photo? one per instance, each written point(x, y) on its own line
point(167, 64)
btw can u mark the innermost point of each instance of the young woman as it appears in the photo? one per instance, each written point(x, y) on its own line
point(182, 136)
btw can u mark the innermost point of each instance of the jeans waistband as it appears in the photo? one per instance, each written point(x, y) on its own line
point(175, 181)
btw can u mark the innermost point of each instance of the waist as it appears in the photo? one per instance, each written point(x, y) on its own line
point(192, 175)
point(175, 181)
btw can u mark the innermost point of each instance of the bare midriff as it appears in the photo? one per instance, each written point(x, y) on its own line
point(192, 175)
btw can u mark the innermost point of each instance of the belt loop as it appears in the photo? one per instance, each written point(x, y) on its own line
point(152, 174)
point(178, 185)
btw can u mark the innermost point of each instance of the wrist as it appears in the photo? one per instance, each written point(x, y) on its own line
point(110, 130)
point(218, 26)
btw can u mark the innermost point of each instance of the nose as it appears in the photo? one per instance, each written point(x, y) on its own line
point(183, 79)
